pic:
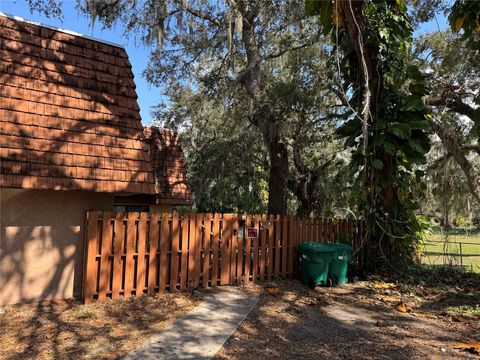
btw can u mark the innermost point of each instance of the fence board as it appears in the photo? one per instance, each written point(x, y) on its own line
point(153, 254)
point(129, 254)
point(184, 261)
point(117, 267)
point(191, 249)
point(206, 250)
point(256, 240)
point(90, 270)
point(215, 248)
point(278, 235)
point(240, 256)
point(174, 253)
point(248, 249)
point(141, 247)
point(263, 250)
point(198, 250)
point(233, 252)
point(284, 245)
point(164, 253)
point(291, 231)
point(296, 236)
point(104, 268)
point(270, 248)
point(225, 259)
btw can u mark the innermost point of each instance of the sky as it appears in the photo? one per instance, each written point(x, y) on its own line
point(148, 95)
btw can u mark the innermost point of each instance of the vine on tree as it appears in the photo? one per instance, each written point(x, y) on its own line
point(388, 144)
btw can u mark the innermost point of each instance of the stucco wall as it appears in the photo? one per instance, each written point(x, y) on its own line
point(41, 242)
point(161, 208)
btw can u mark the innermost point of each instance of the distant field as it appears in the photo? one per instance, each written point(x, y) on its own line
point(460, 249)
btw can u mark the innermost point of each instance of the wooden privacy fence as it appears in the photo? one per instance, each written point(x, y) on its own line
point(144, 253)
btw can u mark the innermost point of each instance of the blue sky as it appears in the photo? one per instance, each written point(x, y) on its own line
point(138, 54)
point(72, 20)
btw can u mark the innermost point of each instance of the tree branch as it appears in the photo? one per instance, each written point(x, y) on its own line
point(450, 142)
point(286, 50)
point(199, 14)
point(452, 101)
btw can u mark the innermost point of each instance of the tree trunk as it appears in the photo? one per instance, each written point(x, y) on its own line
point(277, 184)
point(380, 250)
point(264, 119)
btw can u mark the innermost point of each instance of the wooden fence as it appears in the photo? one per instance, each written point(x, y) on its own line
point(144, 253)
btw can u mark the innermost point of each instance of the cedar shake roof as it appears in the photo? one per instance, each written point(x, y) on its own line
point(69, 118)
point(166, 156)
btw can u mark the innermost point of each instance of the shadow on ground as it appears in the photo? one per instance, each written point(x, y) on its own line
point(343, 323)
point(70, 330)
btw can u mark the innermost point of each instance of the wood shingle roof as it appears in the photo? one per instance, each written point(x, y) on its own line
point(69, 118)
point(171, 185)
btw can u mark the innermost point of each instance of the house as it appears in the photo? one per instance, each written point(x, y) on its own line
point(71, 140)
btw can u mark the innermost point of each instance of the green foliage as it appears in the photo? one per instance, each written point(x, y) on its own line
point(465, 15)
point(226, 162)
point(397, 133)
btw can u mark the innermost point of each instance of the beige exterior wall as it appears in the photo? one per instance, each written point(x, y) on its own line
point(161, 208)
point(41, 242)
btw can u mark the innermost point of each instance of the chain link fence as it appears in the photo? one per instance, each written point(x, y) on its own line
point(454, 248)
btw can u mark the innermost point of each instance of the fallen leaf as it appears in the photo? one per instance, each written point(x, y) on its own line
point(459, 24)
point(470, 346)
point(272, 290)
point(404, 308)
point(390, 299)
point(383, 286)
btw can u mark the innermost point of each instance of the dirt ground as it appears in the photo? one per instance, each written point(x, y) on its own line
point(366, 320)
point(424, 317)
point(71, 330)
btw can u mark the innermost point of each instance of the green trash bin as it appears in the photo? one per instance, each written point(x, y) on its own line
point(314, 262)
point(337, 270)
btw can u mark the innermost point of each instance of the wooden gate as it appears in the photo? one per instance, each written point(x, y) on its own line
point(144, 253)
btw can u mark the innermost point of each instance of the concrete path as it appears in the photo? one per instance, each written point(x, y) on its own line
point(203, 331)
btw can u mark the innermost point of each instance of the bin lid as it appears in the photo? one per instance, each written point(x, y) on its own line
point(322, 248)
point(342, 247)
point(313, 247)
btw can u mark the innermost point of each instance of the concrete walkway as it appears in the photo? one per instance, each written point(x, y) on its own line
point(203, 331)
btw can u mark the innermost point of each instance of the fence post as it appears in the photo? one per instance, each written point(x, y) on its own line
point(461, 255)
point(90, 271)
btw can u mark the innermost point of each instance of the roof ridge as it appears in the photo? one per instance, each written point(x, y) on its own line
point(66, 31)
point(164, 129)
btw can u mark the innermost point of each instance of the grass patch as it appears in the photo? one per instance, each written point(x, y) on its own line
point(467, 311)
point(84, 314)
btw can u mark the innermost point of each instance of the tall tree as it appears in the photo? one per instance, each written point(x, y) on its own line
point(452, 64)
point(306, 108)
point(228, 41)
point(389, 132)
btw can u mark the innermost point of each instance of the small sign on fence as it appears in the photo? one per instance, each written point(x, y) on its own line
point(252, 232)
